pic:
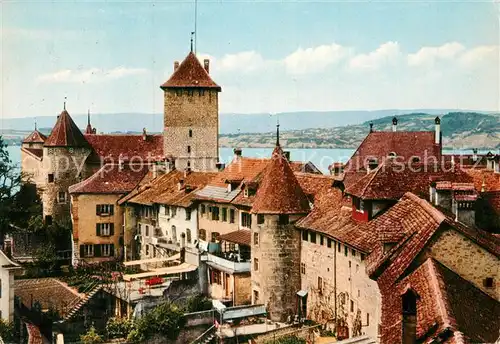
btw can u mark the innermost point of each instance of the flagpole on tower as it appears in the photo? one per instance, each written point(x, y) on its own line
point(195, 24)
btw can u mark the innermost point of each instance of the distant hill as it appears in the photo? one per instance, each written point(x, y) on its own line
point(340, 129)
point(460, 130)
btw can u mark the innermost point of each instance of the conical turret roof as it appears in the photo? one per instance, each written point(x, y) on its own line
point(279, 191)
point(65, 133)
point(35, 137)
point(190, 73)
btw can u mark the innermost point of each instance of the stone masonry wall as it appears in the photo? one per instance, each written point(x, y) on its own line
point(277, 279)
point(198, 111)
point(467, 259)
point(243, 289)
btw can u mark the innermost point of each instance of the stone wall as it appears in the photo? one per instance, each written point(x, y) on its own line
point(196, 110)
point(277, 279)
point(466, 259)
point(346, 291)
point(243, 289)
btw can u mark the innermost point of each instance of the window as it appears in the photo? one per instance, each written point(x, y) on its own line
point(255, 264)
point(352, 306)
point(188, 235)
point(255, 238)
point(488, 282)
point(224, 214)
point(362, 255)
point(359, 293)
point(188, 164)
point(303, 268)
point(329, 243)
point(321, 240)
point(202, 234)
point(353, 252)
point(215, 213)
point(190, 132)
point(167, 210)
point(283, 219)
point(349, 264)
point(260, 219)
point(255, 297)
point(51, 177)
point(107, 250)
point(188, 214)
point(147, 230)
point(61, 197)
point(216, 277)
point(87, 250)
point(231, 215)
point(357, 267)
point(304, 235)
point(174, 233)
point(178, 92)
point(246, 220)
point(48, 220)
point(202, 209)
point(104, 209)
point(201, 92)
point(367, 319)
point(313, 237)
point(147, 250)
point(104, 229)
point(339, 248)
point(189, 149)
point(174, 211)
point(320, 284)
point(346, 251)
point(215, 236)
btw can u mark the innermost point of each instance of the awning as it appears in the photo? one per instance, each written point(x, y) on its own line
point(184, 267)
point(152, 260)
point(302, 293)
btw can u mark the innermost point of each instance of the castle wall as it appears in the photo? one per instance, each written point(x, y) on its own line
point(32, 169)
point(196, 110)
point(276, 280)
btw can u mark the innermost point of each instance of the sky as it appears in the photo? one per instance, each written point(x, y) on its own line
point(268, 56)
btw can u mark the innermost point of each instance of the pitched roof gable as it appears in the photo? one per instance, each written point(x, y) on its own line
point(111, 148)
point(35, 137)
point(279, 191)
point(190, 73)
point(65, 133)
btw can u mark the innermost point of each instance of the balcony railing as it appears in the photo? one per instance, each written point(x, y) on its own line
point(229, 262)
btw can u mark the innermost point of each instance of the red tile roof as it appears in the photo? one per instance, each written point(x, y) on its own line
point(112, 179)
point(65, 133)
point(35, 137)
point(392, 179)
point(485, 179)
point(242, 168)
point(405, 144)
point(133, 148)
point(190, 73)
point(241, 237)
point(279, 191)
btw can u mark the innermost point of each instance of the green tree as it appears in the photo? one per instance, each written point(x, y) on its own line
point(166, 320)
point(118, 328)
point(198, 303)
point(6, 331)
point(91, 337)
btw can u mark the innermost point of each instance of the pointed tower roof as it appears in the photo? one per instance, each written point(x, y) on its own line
point(65, 133)
point(190, 73)
point(279, 191)
point(35, 137)
point(88, 130)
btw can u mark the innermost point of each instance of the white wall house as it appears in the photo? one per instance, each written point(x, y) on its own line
point(7, 271)
point(179, 225)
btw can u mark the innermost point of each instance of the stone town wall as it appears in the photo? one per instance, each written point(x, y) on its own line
point(277, 277)
point(346, 286)
point(243, 289)
point(68, 167)
point(85, 219)
point(467, 259)
point(198, 111)
point(33, 170)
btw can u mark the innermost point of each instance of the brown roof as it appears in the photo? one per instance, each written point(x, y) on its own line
point(112, 148)
point(241, 237)
point(190, 73)
point(405, 144)
point(112, 179)
point(392, 179)
point(279, 191)
point(165, 188)
point(65, 133)
point(485, 179)
point(35, 137)
point(242, 169)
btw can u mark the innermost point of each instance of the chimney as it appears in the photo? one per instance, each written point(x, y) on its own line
point(180, 184)
point(371, 127)
point(220, 166)
point(176, 65)
point(286, 154)
point(94, 131)
point(206, 65)
point(394, 123)
point(464, 211)
point(144, 134)
point(474, 154)
point(237, 153)
point(437, 136)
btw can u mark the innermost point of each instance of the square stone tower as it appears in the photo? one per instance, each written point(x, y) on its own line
point(191, 116)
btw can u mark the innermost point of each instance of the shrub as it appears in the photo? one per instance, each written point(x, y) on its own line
point(6, 331)
point(91, 337)
point(118, 328)
point(198, 303)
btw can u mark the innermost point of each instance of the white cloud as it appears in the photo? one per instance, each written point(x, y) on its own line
point(427, 56)
point(481, 56)
point(246, 62)
point(313, 60)
point(387, 53)
point(91, 75)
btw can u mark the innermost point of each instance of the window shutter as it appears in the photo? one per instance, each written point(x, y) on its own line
point(82, 251)
point(97, 250)
point(112, 250)
point(111, 209)
point(97, 229)
point(111, 229)
point(97, 209)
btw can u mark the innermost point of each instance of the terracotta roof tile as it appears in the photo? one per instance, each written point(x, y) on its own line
point(35, 137)
point(112, 148)
point(190, 73)
point(112, 179)
point(65, 133)
point(279, 191)
point(484, 179)
point(241, 237)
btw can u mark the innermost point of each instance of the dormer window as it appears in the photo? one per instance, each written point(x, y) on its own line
point(358, 204)
point(372, 164)
point(245, 193)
